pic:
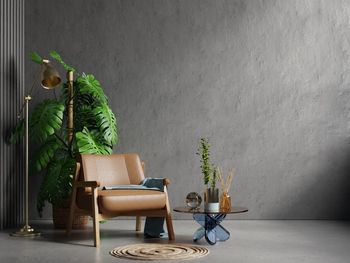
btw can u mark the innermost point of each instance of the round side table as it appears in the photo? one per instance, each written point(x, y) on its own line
point(210, 222)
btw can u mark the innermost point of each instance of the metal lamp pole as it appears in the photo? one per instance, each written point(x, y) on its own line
point(49, 80)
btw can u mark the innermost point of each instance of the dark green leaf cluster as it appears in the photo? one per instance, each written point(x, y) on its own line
point(35, 57)
point(96, 124)
point(18, 132)
point(46, 118)
point(58, 58)
point(91, 142)
point(57, 182)
point(88, 85)
point(46, 152)
point(95, 131)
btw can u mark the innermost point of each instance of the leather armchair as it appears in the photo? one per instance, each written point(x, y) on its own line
point(87, 198)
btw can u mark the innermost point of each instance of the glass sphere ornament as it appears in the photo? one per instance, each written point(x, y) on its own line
point(193, 200)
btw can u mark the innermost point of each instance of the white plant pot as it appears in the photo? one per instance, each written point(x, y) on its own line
point(212, 207)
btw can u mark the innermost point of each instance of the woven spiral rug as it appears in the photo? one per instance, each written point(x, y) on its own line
point(159, 252)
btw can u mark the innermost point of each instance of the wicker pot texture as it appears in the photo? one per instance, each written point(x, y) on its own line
point(60, 216)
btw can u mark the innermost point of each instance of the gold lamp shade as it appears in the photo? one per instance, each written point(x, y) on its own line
point(49, 76)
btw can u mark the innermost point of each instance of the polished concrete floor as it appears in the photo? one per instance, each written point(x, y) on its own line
point(251, 241)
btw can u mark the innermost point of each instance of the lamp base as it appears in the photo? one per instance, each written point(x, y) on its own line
point(26, 231)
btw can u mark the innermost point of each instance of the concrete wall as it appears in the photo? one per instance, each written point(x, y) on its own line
point(266, 81)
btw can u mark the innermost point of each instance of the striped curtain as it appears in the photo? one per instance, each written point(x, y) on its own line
point(11, 98)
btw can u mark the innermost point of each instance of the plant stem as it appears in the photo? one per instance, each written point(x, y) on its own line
point(60, 139)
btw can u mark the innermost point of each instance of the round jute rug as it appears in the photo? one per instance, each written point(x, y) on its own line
point(159, 252)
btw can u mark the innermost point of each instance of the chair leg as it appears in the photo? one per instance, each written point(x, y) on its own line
point(95, 218)
point(169, 221)
point(169, 225)
point(138, 223)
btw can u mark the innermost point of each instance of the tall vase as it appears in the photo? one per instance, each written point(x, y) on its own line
point(211, 200)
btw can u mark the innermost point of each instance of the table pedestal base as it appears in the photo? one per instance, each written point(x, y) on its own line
point(210, 228)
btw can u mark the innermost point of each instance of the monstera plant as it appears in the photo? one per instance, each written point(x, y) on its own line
point(95, 132)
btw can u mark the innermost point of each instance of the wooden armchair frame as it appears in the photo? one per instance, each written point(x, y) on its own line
point(97, 216)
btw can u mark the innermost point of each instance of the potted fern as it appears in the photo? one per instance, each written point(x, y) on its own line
point(95, 132)
point(211, 193)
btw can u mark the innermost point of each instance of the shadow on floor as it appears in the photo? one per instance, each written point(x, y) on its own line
point(84, 237)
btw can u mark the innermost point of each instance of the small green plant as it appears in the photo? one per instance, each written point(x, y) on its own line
point(214, 177)
point(209, 173)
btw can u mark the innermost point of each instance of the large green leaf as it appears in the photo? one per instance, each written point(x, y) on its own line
point(91, 142)
point(45, 120)
point(46, 152)
point(87, 84)
point(84, 117)
point(78, 98)
point(35, 57)
point(17, 133)
point(58, 58)
point(106, 122)
point(57, 182)
point(63, 98)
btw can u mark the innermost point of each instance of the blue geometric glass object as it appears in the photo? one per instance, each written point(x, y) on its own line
point(210, 228)
point(200, 232)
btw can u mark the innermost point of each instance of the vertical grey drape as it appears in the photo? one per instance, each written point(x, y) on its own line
point(11, 96)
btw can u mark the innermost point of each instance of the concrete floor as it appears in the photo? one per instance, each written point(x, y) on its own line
point(251, 241)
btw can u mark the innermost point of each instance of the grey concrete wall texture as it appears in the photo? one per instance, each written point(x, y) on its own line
point(267, 81)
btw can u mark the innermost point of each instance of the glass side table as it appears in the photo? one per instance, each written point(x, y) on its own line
point(210, 222)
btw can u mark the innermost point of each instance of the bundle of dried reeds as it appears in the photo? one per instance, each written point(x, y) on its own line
point(226, 185)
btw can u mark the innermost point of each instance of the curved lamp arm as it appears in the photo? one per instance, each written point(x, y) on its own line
point(49, 79)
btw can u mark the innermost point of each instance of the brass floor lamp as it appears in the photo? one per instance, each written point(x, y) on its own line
point(50, 79)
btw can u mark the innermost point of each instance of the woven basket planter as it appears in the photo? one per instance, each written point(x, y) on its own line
point(60, 216)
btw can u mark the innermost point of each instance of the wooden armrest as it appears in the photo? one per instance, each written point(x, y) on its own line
point(166, 181)
point(93, 184)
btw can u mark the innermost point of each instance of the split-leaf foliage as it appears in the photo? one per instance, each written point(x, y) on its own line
point(95, 132)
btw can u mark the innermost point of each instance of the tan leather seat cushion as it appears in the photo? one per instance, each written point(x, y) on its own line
point(113, 201)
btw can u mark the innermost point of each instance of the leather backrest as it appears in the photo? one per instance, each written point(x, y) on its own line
point(134, 167)
point(114, 169)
